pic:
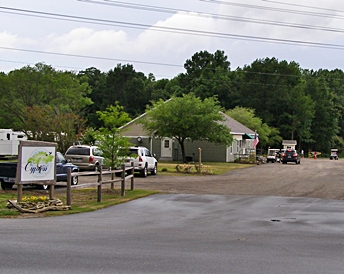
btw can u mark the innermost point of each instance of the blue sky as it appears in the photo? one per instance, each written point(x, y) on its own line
point(75, 35)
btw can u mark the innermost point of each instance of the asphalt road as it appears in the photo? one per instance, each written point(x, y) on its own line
point(191, 233)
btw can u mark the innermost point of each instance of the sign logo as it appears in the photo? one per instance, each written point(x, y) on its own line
point(40, 162)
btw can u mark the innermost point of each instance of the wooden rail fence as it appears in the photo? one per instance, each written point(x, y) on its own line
point(127, 173)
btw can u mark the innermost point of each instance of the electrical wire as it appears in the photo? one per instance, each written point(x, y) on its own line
point(292, 11)
point(89, 57)
point(168, 29)
point(209, 15)
point(303, 6)
point(178, 30)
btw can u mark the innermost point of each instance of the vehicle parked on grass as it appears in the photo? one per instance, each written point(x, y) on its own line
point(85, 157)
point(334, 154)
point(8, 171)
point(290, 155)
point(144, 161)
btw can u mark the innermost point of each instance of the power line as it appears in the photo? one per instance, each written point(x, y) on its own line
point(293, 11)
point(303, 6)
point(89, 57)
point(178, 30)
point(207, 15)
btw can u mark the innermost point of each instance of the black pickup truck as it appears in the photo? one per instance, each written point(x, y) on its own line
point(8, 172)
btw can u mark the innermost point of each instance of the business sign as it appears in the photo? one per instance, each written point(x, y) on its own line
point(37, 161)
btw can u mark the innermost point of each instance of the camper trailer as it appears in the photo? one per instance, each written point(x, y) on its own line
point(9, 141)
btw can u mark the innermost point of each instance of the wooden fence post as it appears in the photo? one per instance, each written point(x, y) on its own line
point(19, 193)
point(100, 180)
point(112, 178)
point(132, 177)
point(199, 160)
point(69, 186)
point(123, 181)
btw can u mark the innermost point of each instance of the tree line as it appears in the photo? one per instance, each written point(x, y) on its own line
point(278, 99)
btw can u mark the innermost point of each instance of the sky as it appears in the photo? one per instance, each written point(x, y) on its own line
point(158, 36)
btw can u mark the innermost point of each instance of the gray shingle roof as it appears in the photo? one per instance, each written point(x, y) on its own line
point(236, 127)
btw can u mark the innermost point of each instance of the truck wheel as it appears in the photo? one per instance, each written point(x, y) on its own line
point(144, 172)
point(154, 171)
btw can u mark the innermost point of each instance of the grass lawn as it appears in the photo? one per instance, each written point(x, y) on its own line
point(169, 168)
point(85, 200)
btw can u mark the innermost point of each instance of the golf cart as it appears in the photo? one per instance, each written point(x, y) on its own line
point(334, 154)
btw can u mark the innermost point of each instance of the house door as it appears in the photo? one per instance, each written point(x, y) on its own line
point(166, 148)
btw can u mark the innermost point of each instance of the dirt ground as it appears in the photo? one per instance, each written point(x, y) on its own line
point(321, 178)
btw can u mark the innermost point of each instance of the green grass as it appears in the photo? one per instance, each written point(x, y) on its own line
point(83, 200)
point(169, 168)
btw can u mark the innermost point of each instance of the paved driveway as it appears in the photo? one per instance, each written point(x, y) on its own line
point(188, 230)
point(321, 178)
point(182, 233)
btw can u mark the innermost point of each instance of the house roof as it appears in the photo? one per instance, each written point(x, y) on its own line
point(133, 128)
point(236, 127)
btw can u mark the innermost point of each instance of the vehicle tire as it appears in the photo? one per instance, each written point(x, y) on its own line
point(155, 170)
point(75, 180)
point(284, 163)
point(118, 174)
point(5, 186)
point(144, 172)
point(44, 187)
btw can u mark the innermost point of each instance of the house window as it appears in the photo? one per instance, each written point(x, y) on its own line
point(166, 143)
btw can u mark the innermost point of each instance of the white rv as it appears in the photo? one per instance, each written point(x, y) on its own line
point(9, 141)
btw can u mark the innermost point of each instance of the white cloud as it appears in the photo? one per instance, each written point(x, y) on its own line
point(92, 42)
point(175, 42)
point(87, 41)
point(296, 12)
point(10, 40)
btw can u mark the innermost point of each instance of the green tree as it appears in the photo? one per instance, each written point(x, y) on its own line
point(297, 114)
point(128, 87)
point(111, 142)
point(268, 136)
point(42, 86)
point(187, 117)
point(89, 137)
point(49, 124)
point(97, 82)
point(325, 123)
point(265, 85)
point(208, 75)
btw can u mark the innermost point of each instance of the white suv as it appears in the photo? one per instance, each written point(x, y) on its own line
point(144, 162)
